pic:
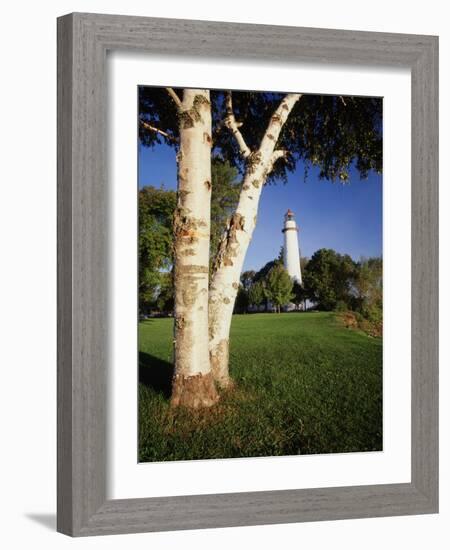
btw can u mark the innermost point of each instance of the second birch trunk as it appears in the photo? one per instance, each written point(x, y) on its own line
point(225, 280)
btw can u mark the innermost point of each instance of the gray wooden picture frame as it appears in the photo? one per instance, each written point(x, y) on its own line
point(83, 41)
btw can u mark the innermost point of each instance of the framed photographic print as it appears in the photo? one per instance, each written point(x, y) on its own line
point(247, 274)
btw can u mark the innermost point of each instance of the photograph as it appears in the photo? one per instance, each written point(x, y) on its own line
point(226, 230)
point(260, 322)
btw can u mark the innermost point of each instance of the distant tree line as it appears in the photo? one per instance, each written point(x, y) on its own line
point(331, 281)
point(271, 285)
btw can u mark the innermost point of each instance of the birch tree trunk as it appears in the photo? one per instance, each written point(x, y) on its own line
point(235, 241)
point(193, 384)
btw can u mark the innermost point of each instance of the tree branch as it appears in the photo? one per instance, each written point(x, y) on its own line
point(279, 153)
point(233, 126)
point(148, 126)
point(277, 121)
point(175, 97)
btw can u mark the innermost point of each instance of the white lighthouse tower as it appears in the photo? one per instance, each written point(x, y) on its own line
point(291, 250)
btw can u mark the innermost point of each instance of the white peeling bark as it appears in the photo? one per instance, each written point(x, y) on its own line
point(193, 384)
point(233, 126)
point(235, 241)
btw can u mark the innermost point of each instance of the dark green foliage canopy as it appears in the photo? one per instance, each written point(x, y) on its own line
point(299, 294)
point(158, 109)
point(330, 132)
point(278, 286)
point(241, 303)
point(328, 278)
point(165, 301)
point(368, 288)
point(224, 198)
point(264, 271)
point(156, 207)
point(247, 278)
point(256, 294)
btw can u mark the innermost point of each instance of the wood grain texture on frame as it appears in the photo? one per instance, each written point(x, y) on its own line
point(83, 40)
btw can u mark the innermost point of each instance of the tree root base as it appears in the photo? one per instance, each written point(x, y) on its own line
point(194, 392)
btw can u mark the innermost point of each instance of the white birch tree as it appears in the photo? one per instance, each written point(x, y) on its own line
point(193, 384)
point(237, 237)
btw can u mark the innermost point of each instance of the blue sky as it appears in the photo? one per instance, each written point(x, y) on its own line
point(347, 218)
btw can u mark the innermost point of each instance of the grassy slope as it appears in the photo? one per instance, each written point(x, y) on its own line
point(305, 384)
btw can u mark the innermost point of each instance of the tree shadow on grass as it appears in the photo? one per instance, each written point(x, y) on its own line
point(156, 373)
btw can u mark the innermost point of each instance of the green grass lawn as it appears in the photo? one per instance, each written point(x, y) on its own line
point(304, 384)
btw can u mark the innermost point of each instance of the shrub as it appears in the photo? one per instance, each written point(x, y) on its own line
point(341, 306)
